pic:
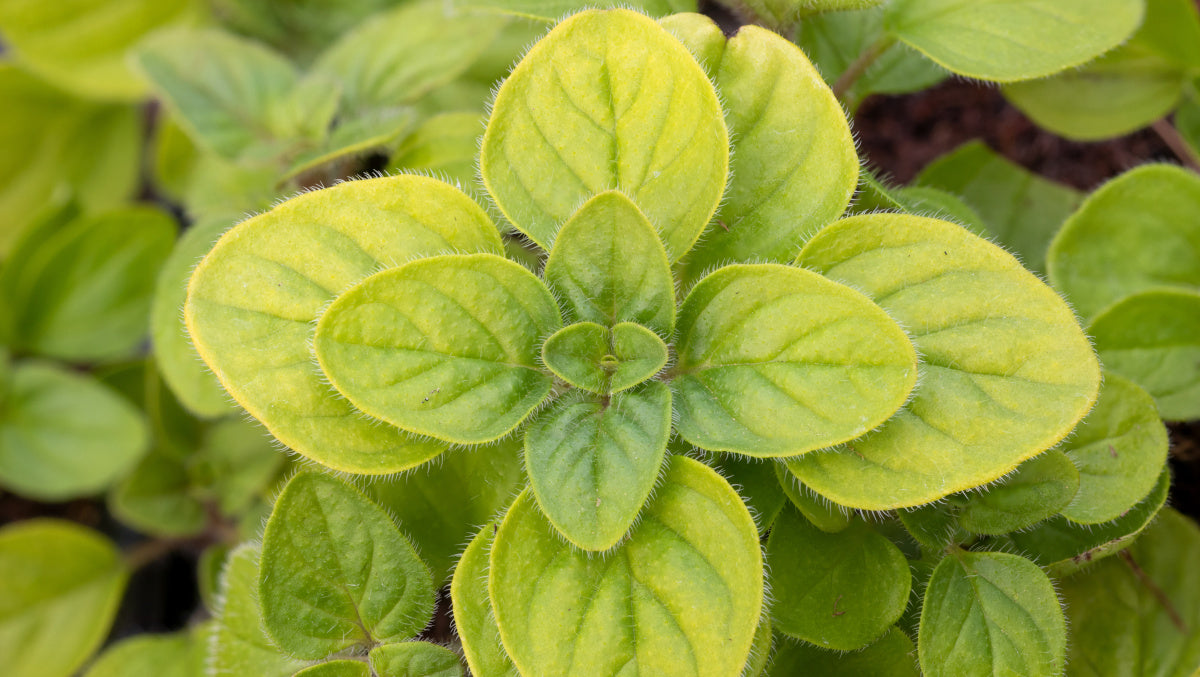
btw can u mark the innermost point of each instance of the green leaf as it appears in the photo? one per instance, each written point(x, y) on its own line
point(761, 345)
point(63, 435)
point(1006, 370)
point(935, 525)
point(939, 204)
point(1137, 232)
point(779, 193)
point(760, 649)
point(782, 14)
point(473, 618)
point(238, 463)
point(1153, 339)
point(336, 668)
point(1119, 625)
point(755, 481)
point(1063, 547)
point(155, 498)
point(1007, 40)
point(836, 40)
point(337, 572)
point(252, 302)
point(55, 144)
point(377, 70)
point(553, 10)
point(83, 292)
point(593, 461)
point(239, 645)
point(609, 266)
point(1021, 210)
point(81, 45)
point(415, 659)
point(177, 655)
point(1037, 489)
point(602, 360)
point(576, 119)
point(194, 385)
point(209, 568)
point(891, 656)
point(354, 135)
point(60, 585)
point(1187, 118)
point(991, 613)
point(1126, 89)
point(820, 511)
point(682, 596)
point(441, 504)
point(223, 89)
point(445, 346)
point(839, 591)
point(300, 27)
point(1120, 450)
point(445, 145)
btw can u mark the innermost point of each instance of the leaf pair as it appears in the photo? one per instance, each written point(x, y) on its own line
point(336, 575)
point(690, 578)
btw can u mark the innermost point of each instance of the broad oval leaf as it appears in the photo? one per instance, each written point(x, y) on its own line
point(444, 145)
point(1007, 40)
point(1118, 624)
point(473, 617)
point(592, 461)
point(64, 435)
point(579, 116)
point(252, 301)
point(779, 193)
point(777, 361)
point(1120, 450)
point(1021, 210)
point(991, 613)
point(681, 597)
point(608, 266)
point(445, 346)
point(891, 656)
point(337, 573)
point(602, 360)
point(414, 659)
point(60, 585)
point(177, 655)
point(1006, 370)
point(239, 645)
point(1165, 360)
point(442, 504)
point(1137, 232)
point(377, 71)
point(83, 292)
point(1063, 547)
point(194, 385)
point(51, 139)
point(81, 45)
point(336, 668)
point(1124, 90)
point(223, 89)
point(1036, 490)
point(839, 591)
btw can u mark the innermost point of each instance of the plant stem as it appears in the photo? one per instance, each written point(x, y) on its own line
point(1161, 596)
point(860, 65)
point(1175, 141)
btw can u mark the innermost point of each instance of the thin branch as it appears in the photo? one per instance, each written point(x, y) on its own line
point(149, 551)
point(860, 65)
point(1178, 145)
point(1158, 593)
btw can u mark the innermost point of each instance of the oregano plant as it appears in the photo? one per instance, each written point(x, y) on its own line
point(641, 370)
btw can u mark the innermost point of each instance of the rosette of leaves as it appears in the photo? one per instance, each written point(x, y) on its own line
point(697, 285)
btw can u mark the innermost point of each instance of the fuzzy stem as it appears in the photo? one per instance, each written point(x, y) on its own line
point(860, 65)
point(1158, 593)
point(1178, 145)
